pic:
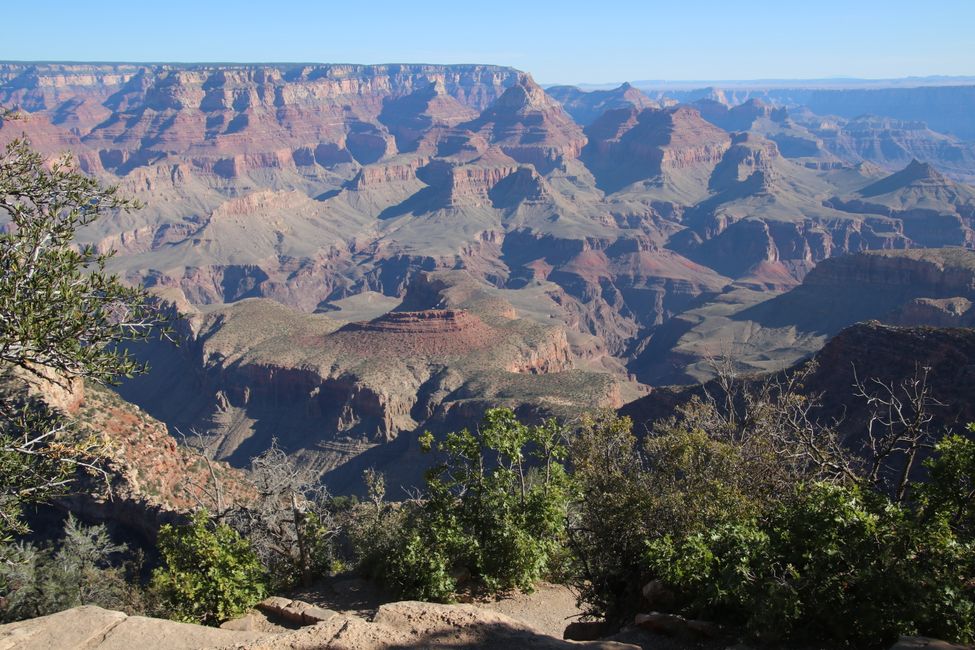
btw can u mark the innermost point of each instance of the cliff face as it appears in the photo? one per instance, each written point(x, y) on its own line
point(916, 287)
point(149, 479)
point(942, 108)
point(586, 107)
point(229, 120)
point(629, 145)
point(875, 285)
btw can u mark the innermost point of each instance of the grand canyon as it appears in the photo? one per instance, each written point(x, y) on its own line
point(639, 365)
point(361, 253)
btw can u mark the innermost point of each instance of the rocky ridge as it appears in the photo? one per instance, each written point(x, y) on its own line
point(915, 287)
point(149, 479)
point(867, 352)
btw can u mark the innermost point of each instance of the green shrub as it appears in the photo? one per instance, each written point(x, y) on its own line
point(418, 565)
point(210, 573)
point(949, 493)
point(494, 509)
point(679, 482)
point(609, 521)
point(835, 563)
point(84, 568)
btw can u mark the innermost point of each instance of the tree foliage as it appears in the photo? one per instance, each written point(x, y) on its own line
point(835, 563)
point(84, 568)
point(40, 453)
point(59, 307)
point(949, 491)
point(210, 573)
point(744, 508)
point(61, 316)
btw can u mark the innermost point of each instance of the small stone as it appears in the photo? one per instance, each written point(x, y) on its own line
point(585, 630)
point(315, 615)
point(657, 594)
point(246, 623)
point(924, 643)
point(705, 629)
point(659, 623)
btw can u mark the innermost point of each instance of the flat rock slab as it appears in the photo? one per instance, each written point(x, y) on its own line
point(295, 611)
point(424, 625)
point(91, 628)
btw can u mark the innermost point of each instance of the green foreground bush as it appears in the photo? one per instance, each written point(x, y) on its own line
point(834, 563)
point(83, 568)
point(494, 510)
point(210, 573)
point(776, 554)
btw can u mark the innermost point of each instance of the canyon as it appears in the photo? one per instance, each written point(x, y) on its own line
point(360, 253)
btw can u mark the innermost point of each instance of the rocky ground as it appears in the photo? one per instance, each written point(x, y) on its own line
point(394, 626)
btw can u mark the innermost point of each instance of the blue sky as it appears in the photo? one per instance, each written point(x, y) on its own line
point(558, 42)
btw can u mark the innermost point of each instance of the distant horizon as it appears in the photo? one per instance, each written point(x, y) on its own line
point(655, 84)
point(569, 42)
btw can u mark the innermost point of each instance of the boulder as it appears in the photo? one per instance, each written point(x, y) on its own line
point(660, 623)
point(674, 625)
point(586, 630)
point(657, 595)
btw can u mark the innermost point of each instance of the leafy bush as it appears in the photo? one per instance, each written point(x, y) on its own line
point(708, 504)
point(83, 569)
point(210, 573)
point(420, 562)
point(495, 508)
point(949, 492)
point(609, 522)
point(835, 563)
point(680, 481)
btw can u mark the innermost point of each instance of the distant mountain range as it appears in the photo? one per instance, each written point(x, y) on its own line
point(764, 84)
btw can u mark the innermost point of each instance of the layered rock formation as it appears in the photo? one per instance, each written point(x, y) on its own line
point(934, 210)
point(920, 287)
point(893, 143)
point(943, 107)
point(628, 145)
point(586, 107)
point(445, 237)
point(868, 351)
point(331, 392)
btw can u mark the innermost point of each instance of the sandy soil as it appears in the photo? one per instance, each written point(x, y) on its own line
point(550, 608)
